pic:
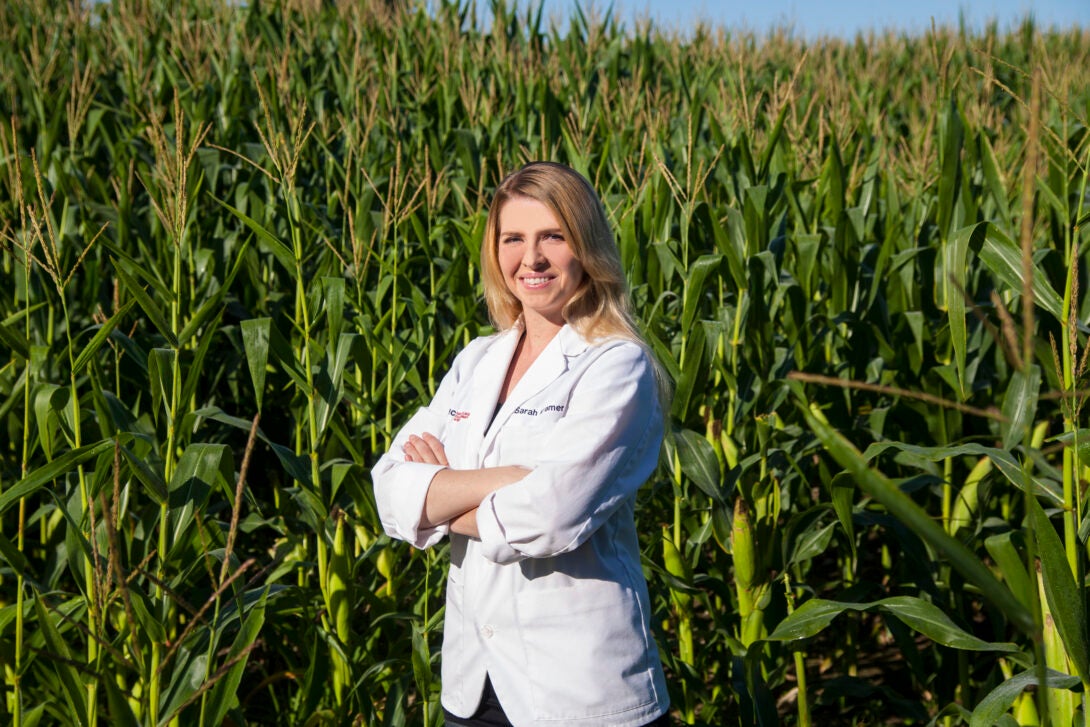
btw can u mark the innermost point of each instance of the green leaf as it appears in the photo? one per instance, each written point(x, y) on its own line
point(1010, 564)
point(1047, 195)
point(150, 478)
point(807, 536)
point(121, 714)
point(1020, 405)
point(12, 337)
point(202, 466)
point(330, 381)
point(808, 248)
point(994, 178)
point(957, 255)
point(212, 307)
point(147, 626)
point(195, 369)
point(699, 463)
point(1000, 699)
point(932, 622)
point(159, 318)
point(1003, 460)
point(334, 305)
point(923, 616)
point(71, 684)
point(266, 240)
point(730, 240)
point(13, 556)
point(908, 512)
point(47, 473)
point(297, 466)
point(161, 380)
point(691, 372)
point(696, 287)
point(255, 339)
point(32, 716)
point(1003, 258)
point(100, 337)
point(952, 135)
point(225, 693)
point(49, 403)
point(1065, 597)
point(810, 619)
point(842, 495)
point(421, 658)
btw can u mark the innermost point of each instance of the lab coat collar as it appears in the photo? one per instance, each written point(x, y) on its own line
point(550, 364)
point(487, 380)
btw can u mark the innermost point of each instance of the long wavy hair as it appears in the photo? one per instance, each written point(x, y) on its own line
point(601, 306)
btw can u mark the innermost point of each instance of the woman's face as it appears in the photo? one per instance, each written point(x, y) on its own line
point(536, 261)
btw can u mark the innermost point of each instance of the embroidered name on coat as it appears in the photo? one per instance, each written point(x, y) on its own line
point(535, 412)
point(458, 415)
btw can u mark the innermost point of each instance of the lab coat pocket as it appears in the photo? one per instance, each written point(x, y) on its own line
point(587, 649)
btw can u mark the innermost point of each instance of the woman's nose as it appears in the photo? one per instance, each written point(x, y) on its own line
point(531, 255)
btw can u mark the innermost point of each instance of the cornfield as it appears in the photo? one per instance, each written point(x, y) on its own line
point(239, 245)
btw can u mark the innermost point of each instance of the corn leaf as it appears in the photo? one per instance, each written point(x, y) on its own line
point(925, 617)
point(1011, 566)
point(201, 468)
point(1003, 257)
point(909, 513)
point(45, 474)
point(1000, 699)
point(699, 463)
point(957, 256)
point(266, 240)
point(1066, 599)
point(1020, 405)
point(255, 339)
point(224, 694)
point(71, 684)
point(152, 308)
point(103, 332)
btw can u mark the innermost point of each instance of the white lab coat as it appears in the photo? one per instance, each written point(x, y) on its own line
point(551, 602)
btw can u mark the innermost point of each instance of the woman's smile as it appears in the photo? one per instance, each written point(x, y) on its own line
point(536, 282)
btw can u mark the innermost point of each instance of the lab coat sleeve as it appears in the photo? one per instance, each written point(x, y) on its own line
point(400, 486)
point(593, 459)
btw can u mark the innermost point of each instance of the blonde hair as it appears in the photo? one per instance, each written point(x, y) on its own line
point(600, 307)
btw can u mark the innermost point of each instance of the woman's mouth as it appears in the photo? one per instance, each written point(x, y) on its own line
point(536, 282)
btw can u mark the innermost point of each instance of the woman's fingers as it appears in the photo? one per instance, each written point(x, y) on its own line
point(426, 449)
point(437, 449)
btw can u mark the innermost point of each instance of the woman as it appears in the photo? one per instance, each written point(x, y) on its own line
point(529, 458)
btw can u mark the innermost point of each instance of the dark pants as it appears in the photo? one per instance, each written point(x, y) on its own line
point(490, 713)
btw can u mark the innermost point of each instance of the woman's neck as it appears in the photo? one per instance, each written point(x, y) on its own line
point(537, 333)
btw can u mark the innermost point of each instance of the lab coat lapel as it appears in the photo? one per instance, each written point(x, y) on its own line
point(487, 380)
point(552, 362)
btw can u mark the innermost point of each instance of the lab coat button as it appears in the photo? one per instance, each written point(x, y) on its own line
point(486, 631)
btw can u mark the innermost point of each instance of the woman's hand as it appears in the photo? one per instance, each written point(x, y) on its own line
point(426, 449)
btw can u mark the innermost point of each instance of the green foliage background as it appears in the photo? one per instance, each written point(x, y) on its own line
point(239, 245)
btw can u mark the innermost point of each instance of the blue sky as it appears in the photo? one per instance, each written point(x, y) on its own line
point(811, 18)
